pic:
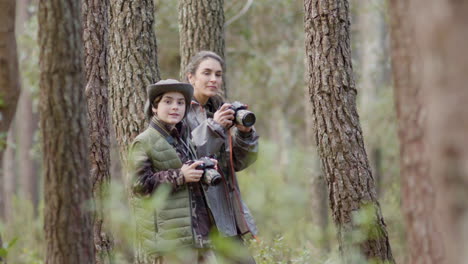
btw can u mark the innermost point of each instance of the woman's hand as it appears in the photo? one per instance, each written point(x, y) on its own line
point(191, 174)
point(224, 116)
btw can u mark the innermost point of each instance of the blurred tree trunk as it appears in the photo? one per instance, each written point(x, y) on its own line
point(3, 261)
point(22, 14)
point(337, 130)
point(67, 189)
point(26, 122)
point(201, 27)
point(133, 65)
point(9, 77)
point(418, 188)
point(372, 38)
point(95, 38)
point(10, 173)
point(441, 41)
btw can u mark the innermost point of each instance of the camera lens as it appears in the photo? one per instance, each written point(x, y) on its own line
point(245, 117)
point(211, 177)
point(216, 180)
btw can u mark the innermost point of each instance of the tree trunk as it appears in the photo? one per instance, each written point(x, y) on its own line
point(418, 189)
point(95, 40)
point(10, 175)
point(2, 260)
point(318, 187)
point(9, 76)
point(201, 27)
point(27, 124)
point(338, 132)
point(372, 36)
point(441, 41)
point(133, 66)
point(67, 189)
point(22, 15)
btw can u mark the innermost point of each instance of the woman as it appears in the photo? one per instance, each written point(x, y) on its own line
point(233, 145)
point(162, 156)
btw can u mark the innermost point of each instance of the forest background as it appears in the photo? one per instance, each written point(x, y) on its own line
point(266, 69)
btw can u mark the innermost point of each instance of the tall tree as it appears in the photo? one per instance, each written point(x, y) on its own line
point(26, 121)
point(9, 174)
point(418, 189)
point(372, 34)
point(443, 74)
point(201, 27)
point(95, 38)
point(67, 188)
point(318, 187)
point(133, 65)
point(9, 76)
point(337, 129)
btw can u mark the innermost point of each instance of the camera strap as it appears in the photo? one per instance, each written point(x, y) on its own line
point(186, 149)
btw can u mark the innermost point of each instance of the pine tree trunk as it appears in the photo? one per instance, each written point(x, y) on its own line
point(95, 40)
point(67, 189)
point(441, 41)
point(201, 27)
point(9, 77)
point(418, 189)
point(133, 66)
point(318, 187)
point(9, 173)
point(372, 36)
point(338, 132)
point(27, 124)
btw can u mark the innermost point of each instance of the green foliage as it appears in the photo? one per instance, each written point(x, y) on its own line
point(25, 229)
point(3, 140)
point(6, 246)
point(2, 101)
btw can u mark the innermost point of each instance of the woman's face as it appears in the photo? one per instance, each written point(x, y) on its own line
point(207, 79)
point(171, 108)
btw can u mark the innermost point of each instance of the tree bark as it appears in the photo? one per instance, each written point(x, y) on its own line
point(418, 189)
point(9, 76)
point(338, 132)
point(318, 187)
point(441, 41)
point(201, 27)
point(9, 173)
point(27, 124)
point(372, 39)
point(133, 66)
point(95, 38)
point(67, 190)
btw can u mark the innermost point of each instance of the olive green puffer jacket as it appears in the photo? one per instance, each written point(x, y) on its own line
point(163, 230)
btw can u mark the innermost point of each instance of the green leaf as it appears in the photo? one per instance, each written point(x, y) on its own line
point(11, 243)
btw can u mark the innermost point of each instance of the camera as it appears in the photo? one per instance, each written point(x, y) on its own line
point(210, 175)
point(242, 115)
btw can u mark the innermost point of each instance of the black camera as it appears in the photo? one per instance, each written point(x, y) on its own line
point(242, 115)
point(210, 175)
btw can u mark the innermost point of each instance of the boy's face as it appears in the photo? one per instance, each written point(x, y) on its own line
point(171, 108)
